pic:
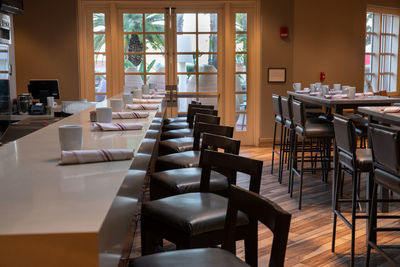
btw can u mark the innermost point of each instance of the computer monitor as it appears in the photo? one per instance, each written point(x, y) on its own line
point(41, 89)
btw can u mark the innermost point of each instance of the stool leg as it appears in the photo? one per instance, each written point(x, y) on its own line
point(336, 205)
point(301, 173)
point(371, 234)
point(291, 148)
point(293, 163)
point(281, 150)
point(273, 149)
point(353, 215)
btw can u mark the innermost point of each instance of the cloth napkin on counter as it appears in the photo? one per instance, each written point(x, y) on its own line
point(90, 156)
point(116, 126)
point(153, 96)
point(146, 101)
point(129, 115)
point(391, 110)
point(142, 106)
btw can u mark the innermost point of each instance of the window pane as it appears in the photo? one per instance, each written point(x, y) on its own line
point(186, 22)
point(187, 83)
point(154, 22)
point(241, 42)
point(370, 21)
point(186, 42)
point(158, 80)
point(368, 63)
point(133, 43)
point(99, 23)
point(241, 22)
point(155, 43)
point(99, 44)
point(208, 22)
point(384, 82)
point(133, 63)
point(241, 104)
point(386, 63)
point(241, 122)
point(133, 22)
point(367, 82)
point(209, 101)
point(241, 83)
point(208, 63)
point(186, 63)
point(183, 104)
point(368, 43)
point(208, 83)
point(100, 83)
point(100, 63)
point(155, 63)
point(134, 81)
point(100, 98)
point(386, 44)
point(241, 62)
point(208, 43)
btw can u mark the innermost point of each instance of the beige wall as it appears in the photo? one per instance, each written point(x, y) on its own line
point(46, 45)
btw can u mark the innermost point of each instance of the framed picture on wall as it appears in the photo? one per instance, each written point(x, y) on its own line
point(276, 75)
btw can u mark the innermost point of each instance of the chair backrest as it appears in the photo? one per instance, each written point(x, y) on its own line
point(276, 104)
point(201, 127)
point(197, 110)
point(287, 113)
point(260, 209)
point(230, 163)
point(345, 135)
point(385, 147)
point(298, 113)
point(200, 117)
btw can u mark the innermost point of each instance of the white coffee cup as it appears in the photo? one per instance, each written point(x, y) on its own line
point(325, 90)
point(104, 114)
point(318, 85)
point(137, 93)
point(70, 137)
point(297, 86)
point(127, 98)
point(116, 105)
point(152, 86)
point(145, 89)
point(312, 88)
point(337, 86)
point(50, 101)
point(351, 92)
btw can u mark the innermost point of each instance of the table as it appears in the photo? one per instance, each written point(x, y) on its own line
point(52, 215)
point(376, 114)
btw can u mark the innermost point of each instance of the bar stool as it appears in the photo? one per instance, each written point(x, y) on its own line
point(189, 119)
point(288, 134)
point(277, 107)
point(312, 130)
point(187, 180)
point(195, 220)
point(386, 154)
point(191, 158)
point(352, 161)
point(180, 119)
point(267, 212)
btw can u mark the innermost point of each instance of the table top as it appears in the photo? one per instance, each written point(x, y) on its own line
point(377, 114)
point(39, 196)
point(362, 100)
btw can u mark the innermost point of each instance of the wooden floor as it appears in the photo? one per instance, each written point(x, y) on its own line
point(311, 228)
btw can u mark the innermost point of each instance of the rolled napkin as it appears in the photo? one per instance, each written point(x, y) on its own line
point(145, 101)
point(152, 96)
point(359, 94)
point(116, 126)
point(142, 106)
point(90, 156)
point(391, 110)
point(129, 115)
point(368, 94)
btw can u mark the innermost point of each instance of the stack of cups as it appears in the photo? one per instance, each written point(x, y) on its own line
point(127, 98)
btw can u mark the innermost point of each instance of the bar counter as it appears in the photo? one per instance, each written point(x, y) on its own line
point(53, 215)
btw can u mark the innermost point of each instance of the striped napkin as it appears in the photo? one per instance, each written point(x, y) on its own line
point(391, 110)
point(142, 106)
point(145, 101)
point(89, 156)
point(116, 126)
point(129, 115)
point(152, 96)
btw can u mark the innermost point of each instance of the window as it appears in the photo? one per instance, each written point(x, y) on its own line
point(241, 71)
point(99, 51)
point(381, 51)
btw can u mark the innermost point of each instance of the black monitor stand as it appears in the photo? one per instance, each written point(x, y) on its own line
point(43, 94)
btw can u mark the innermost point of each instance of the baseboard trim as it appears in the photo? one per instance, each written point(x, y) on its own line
point(267, 141)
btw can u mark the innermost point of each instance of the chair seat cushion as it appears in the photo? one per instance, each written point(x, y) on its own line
point(363, 156)
point(192, 213)
point(155, 126)
point(158, 119)
point(176, 119)
point(316, 129)
point(147, 146)
point(388, 180)
point(199, 257)
point(152, 134)
point(185, 159)
point(176, 145)
point(177, 133)
point(175, 125)
point(187, 180)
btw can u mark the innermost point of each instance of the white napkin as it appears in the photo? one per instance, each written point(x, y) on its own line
point(368, 94)
point(153, 96)
point(145, 101)
point(129, 115)
point(88, 156)
point(142, 106)
point(116, 126)
point(391, 110)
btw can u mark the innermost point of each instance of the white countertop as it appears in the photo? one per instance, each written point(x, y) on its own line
point(38, 196)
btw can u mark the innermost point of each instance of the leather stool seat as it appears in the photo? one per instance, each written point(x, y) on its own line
point(185, 159)
point(176, 119)
point(387, 179)
point(363, 156)
point(176, 145)
point(313, 129)
point(158, 119)
point(176, 133)
point(155, 126)
point(189, 257)
point(147, 146)
point(181, 181)
point(141, 161)
point(152, 134)
point(198, 212)
point(175, 126)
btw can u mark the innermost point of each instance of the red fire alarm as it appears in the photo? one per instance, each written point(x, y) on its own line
point(284, 32)
point(322, 76)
